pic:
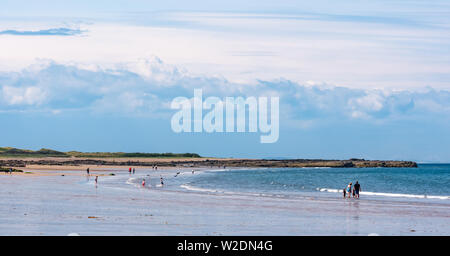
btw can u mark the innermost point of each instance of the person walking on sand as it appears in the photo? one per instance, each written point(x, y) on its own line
point(87, 171)
point(162, 181)
point(349, 189)
point(134, 170)
point(10, 171)
point(143, 182)
point(96, 180)
point(356, 189)
point(344, 192)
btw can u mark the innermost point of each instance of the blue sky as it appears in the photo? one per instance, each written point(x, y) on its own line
point(367, 79)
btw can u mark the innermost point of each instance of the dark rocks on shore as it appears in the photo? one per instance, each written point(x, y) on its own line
point(352, 163)
point(2, 169)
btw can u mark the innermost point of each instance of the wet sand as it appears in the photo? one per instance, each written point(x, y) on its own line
point(46, 203)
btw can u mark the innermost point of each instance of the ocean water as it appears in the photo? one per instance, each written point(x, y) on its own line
point(427, 182)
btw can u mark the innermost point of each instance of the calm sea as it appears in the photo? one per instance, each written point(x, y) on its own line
point(427, 182)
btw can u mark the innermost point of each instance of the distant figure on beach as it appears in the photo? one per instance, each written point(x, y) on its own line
point(134, 170)
point(349, 189)
point(344, 191)
point(96, 179)
point(129, 170)
point(356, 189)
point(192, 171)
point(10, 171)
point(143, 182)
point(162, 181)
point(156, 167)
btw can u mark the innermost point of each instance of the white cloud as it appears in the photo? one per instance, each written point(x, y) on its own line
point(352, 51)
point(147, 87)
point(23, 95)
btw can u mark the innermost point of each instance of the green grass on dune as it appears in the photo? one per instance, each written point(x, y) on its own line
point(15, 152)
point(122, 154)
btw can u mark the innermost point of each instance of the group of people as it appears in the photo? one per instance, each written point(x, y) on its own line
point(352, 190)
point(130, 171)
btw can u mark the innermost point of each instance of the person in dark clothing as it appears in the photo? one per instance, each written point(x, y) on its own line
point(356, 189)
point(87, 171)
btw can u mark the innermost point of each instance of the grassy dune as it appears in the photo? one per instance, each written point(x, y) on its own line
point(15, 152)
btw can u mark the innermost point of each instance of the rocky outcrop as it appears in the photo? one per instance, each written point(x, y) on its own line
point(352, 163)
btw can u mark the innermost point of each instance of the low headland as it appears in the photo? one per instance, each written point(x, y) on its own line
point(13, 157)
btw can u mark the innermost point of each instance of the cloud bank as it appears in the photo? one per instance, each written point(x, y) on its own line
point(44, 32)
point(146, 88)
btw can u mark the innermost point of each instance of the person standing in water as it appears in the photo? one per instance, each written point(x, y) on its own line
point(349, 189)
point(356, 189)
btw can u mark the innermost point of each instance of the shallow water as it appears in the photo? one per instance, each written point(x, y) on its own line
point(427, 182)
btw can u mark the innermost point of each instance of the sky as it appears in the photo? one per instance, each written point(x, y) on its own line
point(366, 79)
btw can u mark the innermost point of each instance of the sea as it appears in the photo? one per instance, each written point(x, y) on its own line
point(426, 182)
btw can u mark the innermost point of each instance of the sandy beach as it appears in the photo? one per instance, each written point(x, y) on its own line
point(59, 201)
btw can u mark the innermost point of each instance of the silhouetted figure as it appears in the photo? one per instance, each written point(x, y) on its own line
point(356, 189)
